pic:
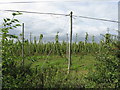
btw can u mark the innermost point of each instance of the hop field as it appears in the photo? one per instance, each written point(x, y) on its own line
point(45, 65)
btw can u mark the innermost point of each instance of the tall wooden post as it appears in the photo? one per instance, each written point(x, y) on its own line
point(70, 43)
point(23, 44)
point(30, 44)
point(67, 46)
point(30, 37)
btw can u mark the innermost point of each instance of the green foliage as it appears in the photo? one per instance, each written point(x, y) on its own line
point(57, 38)
point(93, 39)
point(86, 37)
point(41, 37)
point(107, 38)
point(107, 74)
point(17, 13)
point(8, 60)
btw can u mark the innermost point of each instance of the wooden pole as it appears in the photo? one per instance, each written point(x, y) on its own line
point(67, 46)
point(30, 37)
point(23, 44)
point(70, 43)
point(30, 45)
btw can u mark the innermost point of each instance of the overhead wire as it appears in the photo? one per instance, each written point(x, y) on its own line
point(24, 2)
point(86, 17)
point(96, 18)
point(35, 12)
point(38, 2)
point(74, 16)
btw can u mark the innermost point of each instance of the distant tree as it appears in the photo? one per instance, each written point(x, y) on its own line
point(40, 38)
point(57, 38)
point(86, 37)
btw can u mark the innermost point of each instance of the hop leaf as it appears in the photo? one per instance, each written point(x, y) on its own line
point(14, 14)
point(8, 19)
point(18, 25)
point(16, 20)
point(5, 20)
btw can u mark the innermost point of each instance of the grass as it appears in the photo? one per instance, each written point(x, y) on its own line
point(81, 64)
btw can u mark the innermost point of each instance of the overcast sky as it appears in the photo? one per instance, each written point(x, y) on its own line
point(48, 25)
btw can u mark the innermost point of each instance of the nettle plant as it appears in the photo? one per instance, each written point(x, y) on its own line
point(8, 24)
